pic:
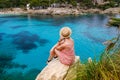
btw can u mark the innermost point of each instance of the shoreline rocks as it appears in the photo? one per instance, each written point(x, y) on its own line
point(13, 11)
point(61, 11)
point(112, 11)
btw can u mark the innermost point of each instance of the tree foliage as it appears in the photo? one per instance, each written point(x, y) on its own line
point(114, 22)
point(73, 2)
point(12, 3)
point(46, 3)
point(87, 3)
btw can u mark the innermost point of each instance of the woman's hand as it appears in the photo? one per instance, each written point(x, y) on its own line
point(61, 41)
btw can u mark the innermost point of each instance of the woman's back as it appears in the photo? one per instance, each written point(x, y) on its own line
point(67, 55)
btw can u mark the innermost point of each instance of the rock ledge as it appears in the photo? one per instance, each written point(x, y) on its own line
point(57, 71)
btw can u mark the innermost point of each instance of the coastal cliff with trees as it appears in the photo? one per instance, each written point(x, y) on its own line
point(103, 4)
point(58, 7)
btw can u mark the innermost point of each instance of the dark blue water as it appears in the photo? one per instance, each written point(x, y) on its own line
point(25, 41)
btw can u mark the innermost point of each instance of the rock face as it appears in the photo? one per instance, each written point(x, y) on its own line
point(57, 71)
point(112, 11)
point(62, 11)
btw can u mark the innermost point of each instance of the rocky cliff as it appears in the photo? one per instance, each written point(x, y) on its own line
point(57, 71)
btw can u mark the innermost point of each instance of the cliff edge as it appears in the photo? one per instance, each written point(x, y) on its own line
point(57, 71)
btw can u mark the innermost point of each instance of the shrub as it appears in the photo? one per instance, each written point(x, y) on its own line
point(108, 68)
point(73, 2)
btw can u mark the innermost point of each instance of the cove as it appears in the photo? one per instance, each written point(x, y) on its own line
point(25, 41)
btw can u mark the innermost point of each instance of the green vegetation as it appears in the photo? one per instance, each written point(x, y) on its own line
point(107, 5)
point(114, 22)
point(87, 4)
point(12, 3)
point(46, 3)
point(73, 2)
point(108, 68)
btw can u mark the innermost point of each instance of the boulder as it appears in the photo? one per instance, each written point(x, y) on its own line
point(58, 71)
point(112, 11)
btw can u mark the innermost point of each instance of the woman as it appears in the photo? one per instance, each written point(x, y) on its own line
point(64, 49)
point(63, 52)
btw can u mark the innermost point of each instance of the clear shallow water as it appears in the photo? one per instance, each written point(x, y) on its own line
point(25, 41)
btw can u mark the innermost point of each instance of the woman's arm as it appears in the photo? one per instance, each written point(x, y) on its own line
point(52, 52)
point(61, 47)
point(54, 47)
point(57, 46)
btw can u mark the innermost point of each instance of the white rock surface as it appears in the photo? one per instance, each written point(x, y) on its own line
point(58, 71)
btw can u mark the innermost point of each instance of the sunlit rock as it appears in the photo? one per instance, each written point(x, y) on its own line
point(57, 71)
point(107, 42)
point(89, 60)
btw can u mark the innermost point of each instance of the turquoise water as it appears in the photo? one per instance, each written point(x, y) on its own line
point(25, 41)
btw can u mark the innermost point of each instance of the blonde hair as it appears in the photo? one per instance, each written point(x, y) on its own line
point(65, 32)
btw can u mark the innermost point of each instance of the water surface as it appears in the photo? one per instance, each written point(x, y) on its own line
point(25, 41)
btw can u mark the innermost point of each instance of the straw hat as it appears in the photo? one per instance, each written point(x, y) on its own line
point(65, 32)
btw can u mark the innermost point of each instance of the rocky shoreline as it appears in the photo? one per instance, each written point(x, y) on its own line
point(60, 11)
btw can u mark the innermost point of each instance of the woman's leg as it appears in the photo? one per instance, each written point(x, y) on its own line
point(52, 52)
